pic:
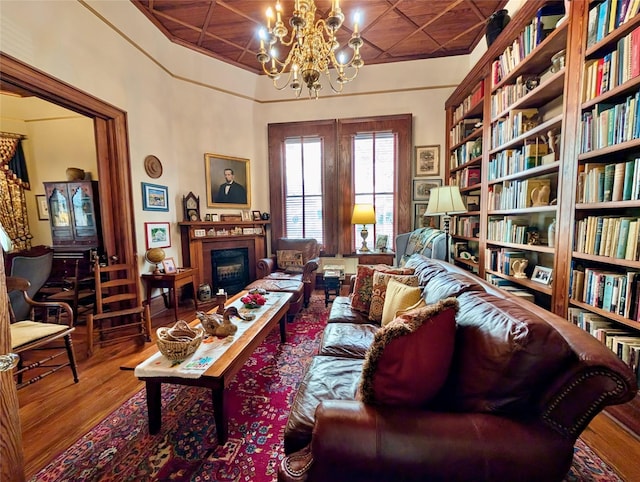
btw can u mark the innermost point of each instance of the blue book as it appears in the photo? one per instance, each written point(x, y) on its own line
point(602, 20)
point(627, 189)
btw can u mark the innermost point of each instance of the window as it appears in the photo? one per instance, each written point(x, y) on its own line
point(313, 188)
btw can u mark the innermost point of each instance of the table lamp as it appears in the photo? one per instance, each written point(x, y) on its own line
point(364, 214)
point(445, 201)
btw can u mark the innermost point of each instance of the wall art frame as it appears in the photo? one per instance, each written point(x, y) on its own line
point(218, 196)
point(426, 161)
point(43, 207)
point(157, 235)
point(154, 197)
point(422, 188)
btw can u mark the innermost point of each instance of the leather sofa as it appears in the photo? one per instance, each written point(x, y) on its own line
point(268, 267)
point(522, 385)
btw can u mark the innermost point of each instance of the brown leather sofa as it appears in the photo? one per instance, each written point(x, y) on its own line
point(268, 267)
point(522, 386)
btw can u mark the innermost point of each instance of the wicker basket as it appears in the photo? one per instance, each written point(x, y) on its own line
point(180, 341)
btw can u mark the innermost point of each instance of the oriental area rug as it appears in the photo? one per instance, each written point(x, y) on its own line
point(120, 449)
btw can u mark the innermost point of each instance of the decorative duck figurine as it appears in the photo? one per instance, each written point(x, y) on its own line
point(219, 325)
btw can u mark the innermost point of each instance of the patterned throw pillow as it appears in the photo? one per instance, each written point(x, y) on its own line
point(379, 291)
point(290, 260)
point(361, 297)
point(409, 359)
point(399, 297)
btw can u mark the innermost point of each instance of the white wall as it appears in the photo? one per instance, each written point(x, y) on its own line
point(182, 104)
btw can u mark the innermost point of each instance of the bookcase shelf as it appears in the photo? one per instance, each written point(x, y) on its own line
point(526, 282)
point(607, 314)
point(540, 129)
point(613, 37)
point(608, 205)
point(550, 168)
point(632, 145)
point(537, 248)
point(607, 260)
point(533, 209)
point(473, 162)
point(618, 91)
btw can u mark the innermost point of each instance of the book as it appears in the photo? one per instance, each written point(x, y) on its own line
point(627, 188)
point(618, 181)
point(623, 236)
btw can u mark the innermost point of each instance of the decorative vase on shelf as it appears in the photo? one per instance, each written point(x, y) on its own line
point(551, 234)
point(496, 24)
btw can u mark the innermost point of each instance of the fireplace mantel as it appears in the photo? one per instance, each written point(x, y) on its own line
point(198, 241)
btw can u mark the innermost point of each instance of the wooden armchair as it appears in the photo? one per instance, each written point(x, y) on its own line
point(48, 323)
point(296, 258)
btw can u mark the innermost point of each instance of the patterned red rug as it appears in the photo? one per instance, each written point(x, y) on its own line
point(120, 448)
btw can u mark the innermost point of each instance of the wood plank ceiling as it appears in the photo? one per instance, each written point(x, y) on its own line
point(392, 30)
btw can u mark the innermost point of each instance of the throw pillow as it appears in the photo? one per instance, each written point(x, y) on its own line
point(361, 297)
point(399, 297)
point(290, 260)
point(409, 359)
point(379, 291)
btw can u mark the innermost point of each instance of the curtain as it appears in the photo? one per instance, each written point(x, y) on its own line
point(14, 180)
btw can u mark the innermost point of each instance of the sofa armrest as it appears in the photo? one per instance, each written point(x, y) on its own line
point(352, 441)
point(265, 267)
point(310, 269)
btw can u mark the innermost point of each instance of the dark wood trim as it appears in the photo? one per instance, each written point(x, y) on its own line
point(112, 149)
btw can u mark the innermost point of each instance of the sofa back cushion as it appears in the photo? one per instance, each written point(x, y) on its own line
point(423, 268)
point(290, 260)
point(307, 246)
point(408, 361)
point(444, 285)
point(504, 354)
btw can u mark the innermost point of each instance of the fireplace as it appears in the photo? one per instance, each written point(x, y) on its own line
point(230, 269)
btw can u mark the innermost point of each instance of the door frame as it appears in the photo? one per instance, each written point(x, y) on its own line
point(114, 174)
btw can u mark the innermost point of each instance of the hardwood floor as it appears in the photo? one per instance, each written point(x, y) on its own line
point(55, 412)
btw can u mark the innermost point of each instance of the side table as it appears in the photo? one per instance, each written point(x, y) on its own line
point(172, 281)
point(332, 282)
point(376, 257)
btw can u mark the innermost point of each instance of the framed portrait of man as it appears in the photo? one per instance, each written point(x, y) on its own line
point(228, 181)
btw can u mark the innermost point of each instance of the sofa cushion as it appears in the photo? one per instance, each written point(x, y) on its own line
point(342, 312)
point(290, 260)
point(350, 340)
point(504, 354)
point(399, 296)
point(424, 268)
point(379, 291)
point(409, 359)
point(445, 285)
point(361, 297)
point(327, 378)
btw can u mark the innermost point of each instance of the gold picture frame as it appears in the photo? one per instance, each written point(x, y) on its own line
point(235, 195)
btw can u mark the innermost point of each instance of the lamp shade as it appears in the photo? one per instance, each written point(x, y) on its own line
point(445, 200)
point(363, 214)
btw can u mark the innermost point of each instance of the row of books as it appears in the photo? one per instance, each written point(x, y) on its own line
point(465, 153)
point(512, 161)
point(607, 16)
point(465, 177)
point(623, 342)
point(529, 38)
point(508, 286)
point(463, 129)
point(501, 259)
point(599, 182)
point(509, 229)
point(609, 236)
point(469, 102)
point(516, 194)
point(506, 95)
point(615, 68)
point(607, 290)
point(609, 124)
point(515, 124)
point(467, 226)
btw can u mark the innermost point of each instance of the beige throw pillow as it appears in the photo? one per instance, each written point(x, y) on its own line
point(399, 297)
point(379, 291)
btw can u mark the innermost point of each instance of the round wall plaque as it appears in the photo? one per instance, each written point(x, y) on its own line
point(153, 167)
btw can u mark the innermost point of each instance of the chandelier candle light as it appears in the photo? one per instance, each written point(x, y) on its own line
point(313, 47)
point(445, 201)
point(364, 214)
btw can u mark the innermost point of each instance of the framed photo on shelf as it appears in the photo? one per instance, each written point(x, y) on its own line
point(158, 235)
point(228, 181)
point(155, 197)
point(246, 215)
point(422, 221)
point(257, 215)
point(422, 188)
point(542, 274)
point(169, 266)
point(215, 218)
point(381, 242)
point(427, 161)
point(43, 207)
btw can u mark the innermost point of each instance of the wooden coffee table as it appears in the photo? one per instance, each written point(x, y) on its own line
point(218, 376)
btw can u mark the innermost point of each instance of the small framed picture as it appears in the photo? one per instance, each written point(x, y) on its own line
point(427, 161)
point(215, 218)
point(155, 197)
point(43, 207)
point(246, 215)
point(169, 266)
point(422, 188)
point(257, 215)
point(158, 235)
point(422, 221)
point(542, 274)
point(199, 233)
point(248, 231)
point(381, 242)
point(258, 230)
point(207, 217)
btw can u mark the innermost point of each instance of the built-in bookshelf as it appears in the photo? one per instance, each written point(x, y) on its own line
point(559, 190)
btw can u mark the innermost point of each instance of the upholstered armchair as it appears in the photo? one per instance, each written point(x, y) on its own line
point(295, 258)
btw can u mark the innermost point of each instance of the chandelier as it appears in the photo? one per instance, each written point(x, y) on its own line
point(313, 45)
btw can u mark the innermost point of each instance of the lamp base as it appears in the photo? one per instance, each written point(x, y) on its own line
point(364, 233)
